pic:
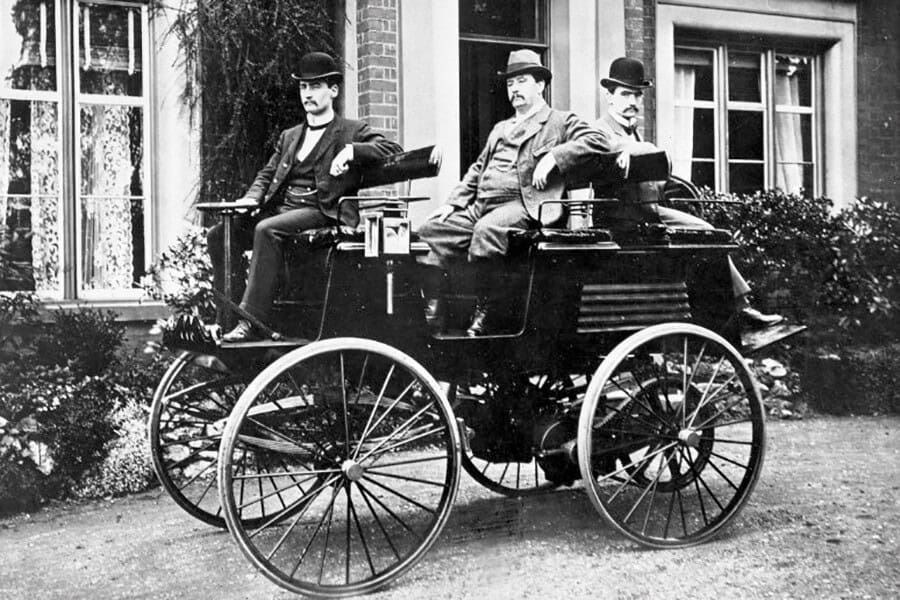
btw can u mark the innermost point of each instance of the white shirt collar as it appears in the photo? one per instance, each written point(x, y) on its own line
point(534, 110)
point(626, 123)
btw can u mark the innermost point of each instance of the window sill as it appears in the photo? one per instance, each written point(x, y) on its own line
point(126, 310)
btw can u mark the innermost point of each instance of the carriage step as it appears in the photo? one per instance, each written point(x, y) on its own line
point(284, 342)
point(751, 341)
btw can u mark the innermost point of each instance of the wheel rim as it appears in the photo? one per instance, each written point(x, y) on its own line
point(187, 416)
point(364, 466)
point(513, 478)
point(671, 437)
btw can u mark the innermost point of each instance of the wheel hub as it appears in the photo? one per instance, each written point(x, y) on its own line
point(689, 437)
point(352, 470)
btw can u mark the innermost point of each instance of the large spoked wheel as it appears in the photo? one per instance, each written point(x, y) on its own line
point(362, 466)
point(671, 436)
point(495, 465)
point(187, 416)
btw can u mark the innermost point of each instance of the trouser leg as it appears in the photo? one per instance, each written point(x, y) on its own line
point(266, 263)
point(449, 239)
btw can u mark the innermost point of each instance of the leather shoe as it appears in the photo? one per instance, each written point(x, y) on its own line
point(435, 315)
point(242, 332)
point(754, 319)
point(478, 326)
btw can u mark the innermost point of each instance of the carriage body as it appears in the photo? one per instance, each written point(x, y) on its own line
point(333, 453)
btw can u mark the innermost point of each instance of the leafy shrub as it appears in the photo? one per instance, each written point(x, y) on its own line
point(182, 276)
point(18, 318)
point(127, 467)
point(85, 339)
point(58, 422)
point(834, 270)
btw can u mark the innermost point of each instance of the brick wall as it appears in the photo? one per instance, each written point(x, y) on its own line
point(377, 65)
point(640, 33)
point(878, 85)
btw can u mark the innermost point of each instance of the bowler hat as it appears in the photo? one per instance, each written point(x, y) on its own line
point(317, 65)
point(628, 72)
point(525, 61)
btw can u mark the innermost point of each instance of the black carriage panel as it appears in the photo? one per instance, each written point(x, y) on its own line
point(587, 295)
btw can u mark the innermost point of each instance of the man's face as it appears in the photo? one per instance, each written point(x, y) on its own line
point(524, 91)
point(317, 96)
point(625, 102)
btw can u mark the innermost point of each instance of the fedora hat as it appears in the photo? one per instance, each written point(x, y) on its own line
point(628, 72)
point(524, 61)
point(317, 65)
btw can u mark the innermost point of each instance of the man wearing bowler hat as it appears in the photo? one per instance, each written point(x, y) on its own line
point(618, 128)
point(522, 164)
point(314, 164)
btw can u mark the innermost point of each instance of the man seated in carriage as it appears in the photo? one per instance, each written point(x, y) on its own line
point(522, 164)
point(314, 164)
point(618, 128)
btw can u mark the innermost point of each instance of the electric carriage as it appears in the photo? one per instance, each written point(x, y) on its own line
point(332, 449)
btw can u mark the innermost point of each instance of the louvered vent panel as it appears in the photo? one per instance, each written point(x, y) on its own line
point(613, 307)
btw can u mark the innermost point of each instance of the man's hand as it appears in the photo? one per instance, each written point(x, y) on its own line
point(442, 212)
point(339, 165)
point(542, 171)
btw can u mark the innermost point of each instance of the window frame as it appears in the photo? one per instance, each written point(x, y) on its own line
point(722, 104)
point(832, 29)
point(69, 101)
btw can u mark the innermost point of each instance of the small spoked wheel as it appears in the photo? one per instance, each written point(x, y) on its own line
point(188, 413)
point(671, 436)
point(362, 459)
point(502, 446)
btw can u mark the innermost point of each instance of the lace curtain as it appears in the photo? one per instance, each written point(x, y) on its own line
point(106, 227)
point(45, 196)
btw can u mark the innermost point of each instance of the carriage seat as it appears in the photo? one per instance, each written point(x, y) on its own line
point(522, 239)
point(656, 234)
point(326, 237)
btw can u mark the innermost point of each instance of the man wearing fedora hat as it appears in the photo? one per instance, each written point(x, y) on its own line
point(314, 164)
point(618, 128)
point(522, 164)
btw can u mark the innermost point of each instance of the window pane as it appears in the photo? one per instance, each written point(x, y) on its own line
point(112, 196)
point(745, 134)
point(793, 137)
point(109, 49)
point(704, 173)
point(793, 80)
point(745, 178)
point(744, 73)
point(693, 74)
point(29, 193)
point(27, 45)
point(510, 18)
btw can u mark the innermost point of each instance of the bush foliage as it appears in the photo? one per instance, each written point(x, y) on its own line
point(63, 388)
point(834, 270)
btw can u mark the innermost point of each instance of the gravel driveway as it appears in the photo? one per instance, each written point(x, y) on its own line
point(824, 522)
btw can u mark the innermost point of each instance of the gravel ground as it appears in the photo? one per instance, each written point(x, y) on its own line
point(824, 522)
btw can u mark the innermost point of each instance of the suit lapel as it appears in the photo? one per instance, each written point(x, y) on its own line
point(533, 124)
point(292, 145)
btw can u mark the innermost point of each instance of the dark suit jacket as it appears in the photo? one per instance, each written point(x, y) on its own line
point(571, 141)
point(638, 200)
point(368, 147)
